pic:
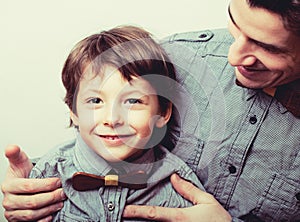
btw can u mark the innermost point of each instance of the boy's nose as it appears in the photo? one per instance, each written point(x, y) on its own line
point(113, 116)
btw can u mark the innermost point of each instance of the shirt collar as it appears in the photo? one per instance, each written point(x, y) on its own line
point(287, 95)
point(250, 92)
point(88, 160)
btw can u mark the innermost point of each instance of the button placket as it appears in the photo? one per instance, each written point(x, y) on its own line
point(110, 206)
point(245, 136)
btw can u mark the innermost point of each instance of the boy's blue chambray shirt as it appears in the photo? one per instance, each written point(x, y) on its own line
point(242, 143)
point(107, 203)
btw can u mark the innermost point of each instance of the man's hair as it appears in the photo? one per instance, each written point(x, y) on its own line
point(131, 50)
point(289, 10)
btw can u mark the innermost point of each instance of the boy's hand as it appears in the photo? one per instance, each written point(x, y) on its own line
point(206, 208)
point(28, 199)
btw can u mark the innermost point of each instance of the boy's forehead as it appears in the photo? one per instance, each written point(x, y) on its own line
point(112, 77)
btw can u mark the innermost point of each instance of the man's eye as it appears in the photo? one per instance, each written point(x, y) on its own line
point(133, 101)
point(272, 50)
point(95, 100)
point(269, 48)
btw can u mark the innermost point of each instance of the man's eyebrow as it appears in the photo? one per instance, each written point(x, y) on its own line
point(270, 47)
point(230, 16)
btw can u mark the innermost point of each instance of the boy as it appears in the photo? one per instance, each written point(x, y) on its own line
point(118, 88)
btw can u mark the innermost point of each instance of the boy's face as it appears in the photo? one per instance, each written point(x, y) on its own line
point(264, 53)
point(116, 118)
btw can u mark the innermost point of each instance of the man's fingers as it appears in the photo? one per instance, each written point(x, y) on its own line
point(14, 154)
point(32, 202)
point(29, 186)
point(191, 192)
point(206, 207)
point(46, 219)
point(28, 199)
point(33, 215)
point(153, 213)
point(20, 164)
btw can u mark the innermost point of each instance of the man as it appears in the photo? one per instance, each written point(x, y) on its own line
point(241, 135)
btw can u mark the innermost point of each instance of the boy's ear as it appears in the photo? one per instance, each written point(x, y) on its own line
point(74, 118)
point(163, 120)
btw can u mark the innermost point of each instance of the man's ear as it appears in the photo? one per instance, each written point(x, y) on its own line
point(74, 118)
point(163, 120)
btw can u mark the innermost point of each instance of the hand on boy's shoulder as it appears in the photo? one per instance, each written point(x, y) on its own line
point(43, 196)
point(205, 206)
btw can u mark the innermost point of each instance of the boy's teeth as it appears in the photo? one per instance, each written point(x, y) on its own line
point(111, 137)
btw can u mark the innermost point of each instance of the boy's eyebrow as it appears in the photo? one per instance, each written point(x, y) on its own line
point(267, 46)
point(135, 92)
point(125, 92)
point(97, 91)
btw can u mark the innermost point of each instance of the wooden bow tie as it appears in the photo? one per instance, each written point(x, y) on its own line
point(85, 181)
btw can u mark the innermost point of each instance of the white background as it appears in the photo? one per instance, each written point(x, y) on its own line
point(35, 39)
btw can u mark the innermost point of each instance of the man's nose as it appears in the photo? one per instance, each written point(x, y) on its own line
point(242, 52)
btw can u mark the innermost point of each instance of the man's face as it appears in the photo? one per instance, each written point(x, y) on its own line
point(264, 53)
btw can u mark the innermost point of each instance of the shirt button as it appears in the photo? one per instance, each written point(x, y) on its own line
point(110, 206)
point(232, 169)
point(253, 119)
point(298, 196)
point(202, 36)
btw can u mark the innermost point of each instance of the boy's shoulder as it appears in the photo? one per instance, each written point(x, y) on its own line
point(48, 163)
point(62, 150)
point(168, 163)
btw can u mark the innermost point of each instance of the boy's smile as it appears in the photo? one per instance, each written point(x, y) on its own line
point(115, 140)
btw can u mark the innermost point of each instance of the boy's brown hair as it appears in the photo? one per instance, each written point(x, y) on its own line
point(129, 49)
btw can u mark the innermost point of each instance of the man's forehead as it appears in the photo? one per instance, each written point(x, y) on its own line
point(259, 25)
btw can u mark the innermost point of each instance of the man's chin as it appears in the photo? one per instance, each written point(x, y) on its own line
point(248, 85)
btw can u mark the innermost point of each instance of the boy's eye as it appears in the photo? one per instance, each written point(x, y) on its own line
point(95, 100)
point(133, 101)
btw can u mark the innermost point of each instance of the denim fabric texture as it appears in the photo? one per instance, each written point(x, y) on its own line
point(242, 143)
point(107, 203)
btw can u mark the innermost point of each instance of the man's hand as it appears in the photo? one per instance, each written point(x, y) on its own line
point(206, 208)
point(28, 199)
